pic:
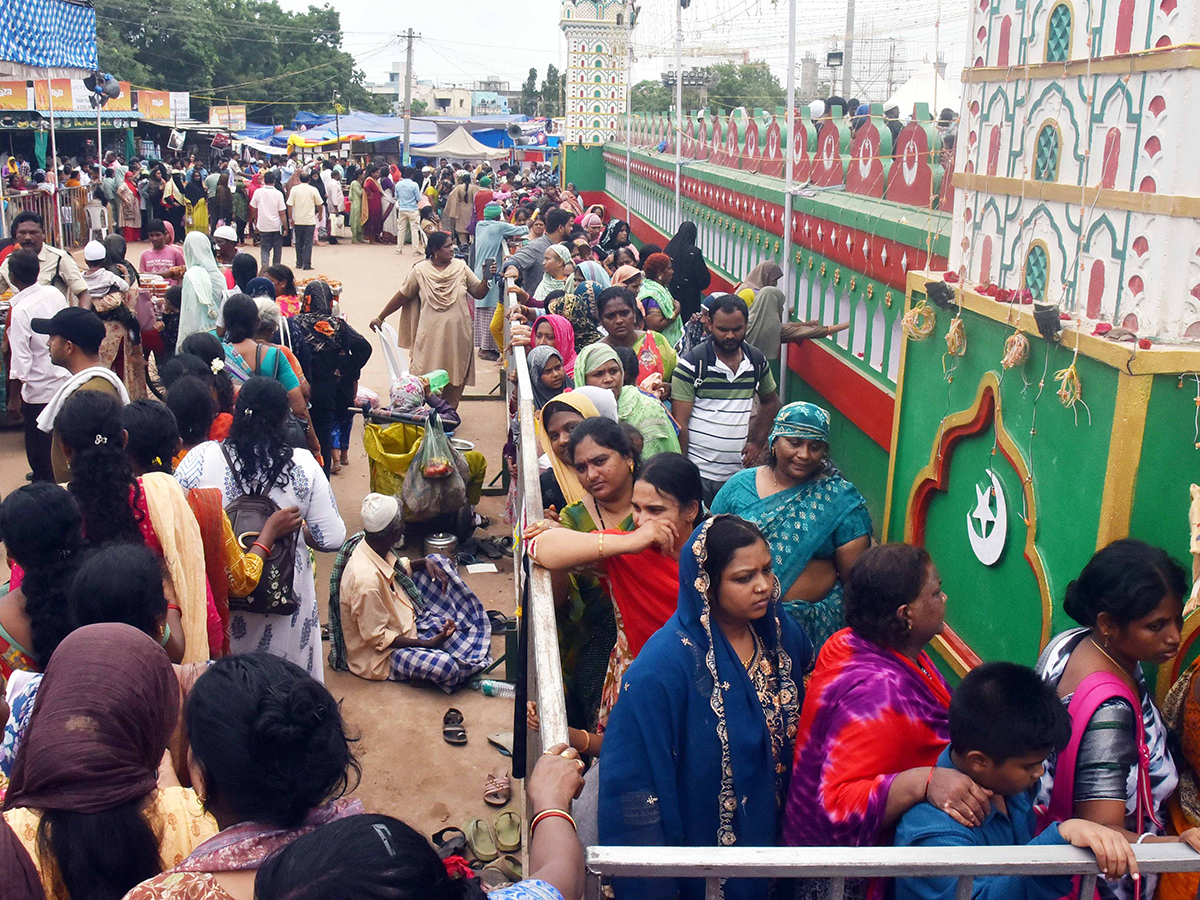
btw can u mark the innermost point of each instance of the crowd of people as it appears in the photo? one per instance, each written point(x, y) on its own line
point(743, 664)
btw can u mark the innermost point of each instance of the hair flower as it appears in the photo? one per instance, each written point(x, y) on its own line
point(100, 439)
point(218, 366)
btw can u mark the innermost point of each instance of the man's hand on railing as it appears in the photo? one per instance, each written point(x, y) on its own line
point(1114, 854)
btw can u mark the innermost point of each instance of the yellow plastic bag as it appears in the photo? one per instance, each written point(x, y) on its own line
point(390, 452)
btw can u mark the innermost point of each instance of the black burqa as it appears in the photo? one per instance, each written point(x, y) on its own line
point(691, 277)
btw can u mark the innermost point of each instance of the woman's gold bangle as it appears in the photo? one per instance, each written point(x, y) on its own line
point(600, 546)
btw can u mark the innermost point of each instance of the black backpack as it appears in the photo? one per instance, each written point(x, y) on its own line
point(248, 514)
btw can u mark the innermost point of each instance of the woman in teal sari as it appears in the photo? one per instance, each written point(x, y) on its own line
point(815, 520)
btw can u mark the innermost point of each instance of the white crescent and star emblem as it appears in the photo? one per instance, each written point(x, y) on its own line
point(988, 542)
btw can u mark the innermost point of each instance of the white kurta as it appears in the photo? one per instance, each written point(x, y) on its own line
point(296, 638)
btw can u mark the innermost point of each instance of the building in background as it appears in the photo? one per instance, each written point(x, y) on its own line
point(597, 76)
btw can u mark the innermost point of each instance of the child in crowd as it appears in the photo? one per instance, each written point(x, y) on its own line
point(1004, 722)
point(169, 328)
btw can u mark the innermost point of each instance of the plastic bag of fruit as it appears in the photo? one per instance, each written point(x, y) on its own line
point(436, 482)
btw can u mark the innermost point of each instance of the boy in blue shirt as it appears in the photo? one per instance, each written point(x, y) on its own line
point(1004, 722)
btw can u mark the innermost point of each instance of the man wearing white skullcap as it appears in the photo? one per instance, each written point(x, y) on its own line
point(394, 628)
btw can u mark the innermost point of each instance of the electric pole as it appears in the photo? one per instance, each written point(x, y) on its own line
point(891, 68)
point(848, 50)
point(406, 157)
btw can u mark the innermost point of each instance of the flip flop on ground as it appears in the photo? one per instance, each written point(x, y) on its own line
point(480, 840)
point(453, 731)
point(508, 831)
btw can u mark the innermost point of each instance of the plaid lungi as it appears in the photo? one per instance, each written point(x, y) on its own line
point(483, 333)
point(465, 652)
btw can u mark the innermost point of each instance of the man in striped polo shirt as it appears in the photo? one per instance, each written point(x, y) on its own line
point(712, 397)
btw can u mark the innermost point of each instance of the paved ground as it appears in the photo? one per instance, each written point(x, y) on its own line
point(407, 770)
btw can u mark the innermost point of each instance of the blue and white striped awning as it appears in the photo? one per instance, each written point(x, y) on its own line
point(90, 115)
point(47, 34)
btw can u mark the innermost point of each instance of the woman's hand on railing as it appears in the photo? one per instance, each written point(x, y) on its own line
point(516, 291)
point(556, 779)
point(1191, 837)
point(533, 529)
point(521, 336)
point(1114, 854)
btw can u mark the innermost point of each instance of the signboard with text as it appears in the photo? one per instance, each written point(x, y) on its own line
point(14, 95)
point(231, 117)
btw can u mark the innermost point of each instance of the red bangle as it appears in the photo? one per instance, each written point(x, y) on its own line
point(266, 550)
point(550, 814)
point(928, 781)
point(174, 607)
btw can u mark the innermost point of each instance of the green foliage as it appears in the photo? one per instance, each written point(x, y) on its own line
point(420, 108)
point(552, 90)
point(251, 51)
point(733, 84)
point(530, 95)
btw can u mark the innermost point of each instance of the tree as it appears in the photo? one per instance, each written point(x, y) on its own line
point(552, 87)
point(656, 97)
point(420, 108)
point(753, 86)
point(251, 52)
point(529, 94)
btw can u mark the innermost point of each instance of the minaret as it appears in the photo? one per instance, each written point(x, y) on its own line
point(597, 33)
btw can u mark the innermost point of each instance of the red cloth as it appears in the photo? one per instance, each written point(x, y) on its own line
point(206, 505)
point(645, 586)
point(219, 429)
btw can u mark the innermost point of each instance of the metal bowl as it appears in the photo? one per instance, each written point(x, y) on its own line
point(461, 445)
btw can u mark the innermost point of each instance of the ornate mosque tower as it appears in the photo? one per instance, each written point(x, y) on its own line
point(1073, 170)
point(597, 33)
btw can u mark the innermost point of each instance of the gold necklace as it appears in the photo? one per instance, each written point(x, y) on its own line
point(748, 663)
point(1122, 669)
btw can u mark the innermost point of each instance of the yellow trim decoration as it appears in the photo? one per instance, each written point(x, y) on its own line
point(1124, 456)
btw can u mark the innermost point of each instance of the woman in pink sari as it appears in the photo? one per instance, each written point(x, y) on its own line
point(373, 191)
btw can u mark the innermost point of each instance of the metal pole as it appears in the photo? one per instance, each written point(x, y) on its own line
point(99, 142)
point(628, 125)
point(337, 123)
point(678, 108)
point(789, 171)
point(54, 164)
point(406, 157)
point(848, 50)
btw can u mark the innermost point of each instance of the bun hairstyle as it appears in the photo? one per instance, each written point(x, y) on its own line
point(1127, 580)
point(367, 857)
point(153, 435)
point(269, 739)
point(607, 434)
point(885, 578)
point(674, 475)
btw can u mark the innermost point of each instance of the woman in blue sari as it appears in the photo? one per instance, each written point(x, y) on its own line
point(815, 520)
point(698, 752)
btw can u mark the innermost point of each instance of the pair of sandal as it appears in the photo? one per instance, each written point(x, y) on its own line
point(453, 730)
point(487, 841)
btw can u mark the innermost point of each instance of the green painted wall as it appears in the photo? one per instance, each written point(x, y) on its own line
point(861, 460)
point(583, 166)
point(997, 610)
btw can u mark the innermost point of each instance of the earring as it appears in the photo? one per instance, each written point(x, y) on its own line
point(631, 466)
point(908, 623)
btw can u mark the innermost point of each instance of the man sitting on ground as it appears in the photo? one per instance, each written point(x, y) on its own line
point(399, 619)
point(1004, 722)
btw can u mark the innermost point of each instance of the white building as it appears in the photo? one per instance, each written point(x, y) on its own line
point(597, 33)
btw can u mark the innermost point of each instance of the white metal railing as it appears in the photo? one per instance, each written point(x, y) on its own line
point(841, 863)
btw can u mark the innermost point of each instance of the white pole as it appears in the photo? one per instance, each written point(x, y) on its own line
point(628, 125)
point(678, 108)
point(54, 166)
point(789, 172)
point(99, 143)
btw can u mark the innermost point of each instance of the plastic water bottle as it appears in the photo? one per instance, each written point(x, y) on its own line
point(438, 379)
point(491, 688)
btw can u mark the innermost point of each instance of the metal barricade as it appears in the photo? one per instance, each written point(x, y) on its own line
point(68, 206)
point(841, 863)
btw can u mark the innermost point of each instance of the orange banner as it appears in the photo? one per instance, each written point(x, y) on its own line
point(154, 105)
point(14, 95)
point(124, 103)
point(60, 88)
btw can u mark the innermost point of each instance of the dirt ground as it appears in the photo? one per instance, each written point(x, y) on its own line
point(408, 771)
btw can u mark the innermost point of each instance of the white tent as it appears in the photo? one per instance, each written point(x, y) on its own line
point(926, 86)
point(461, 145)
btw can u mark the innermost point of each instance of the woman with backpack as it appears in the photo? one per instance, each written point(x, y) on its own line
point(256, 458)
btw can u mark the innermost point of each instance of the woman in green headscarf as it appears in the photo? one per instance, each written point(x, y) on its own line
point(814, 519)
point(600, 366)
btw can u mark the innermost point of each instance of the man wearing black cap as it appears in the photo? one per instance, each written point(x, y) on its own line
point(75, 337)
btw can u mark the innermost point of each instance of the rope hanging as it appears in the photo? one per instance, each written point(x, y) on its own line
point(918, 322)
point(1016, 351)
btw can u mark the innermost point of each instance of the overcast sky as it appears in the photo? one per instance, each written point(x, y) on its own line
point(468, 40)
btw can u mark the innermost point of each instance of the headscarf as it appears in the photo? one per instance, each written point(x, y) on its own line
point(765, 325)
point(564, 340)
point(590, 402)
point(684, 240)
point(763, 275)
point(800, 420)
point(590, 270)
point(493, 211)
point(116, 248)
point(194, 190)
point(741, 752)
point(259, 286)
point(592, 357)
point(625, 273)
point(198, 253)
point(407, 394)
point(591, 219)
point(485, 181)
point(95, 743)
point(608, 240)
point(538, 359)
point(131, 182)
point(321, 329)
point(224, 196)
point(580, 309)
point(562, 253)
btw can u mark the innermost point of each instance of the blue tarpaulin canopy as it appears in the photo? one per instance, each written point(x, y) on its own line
point(43, 38)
